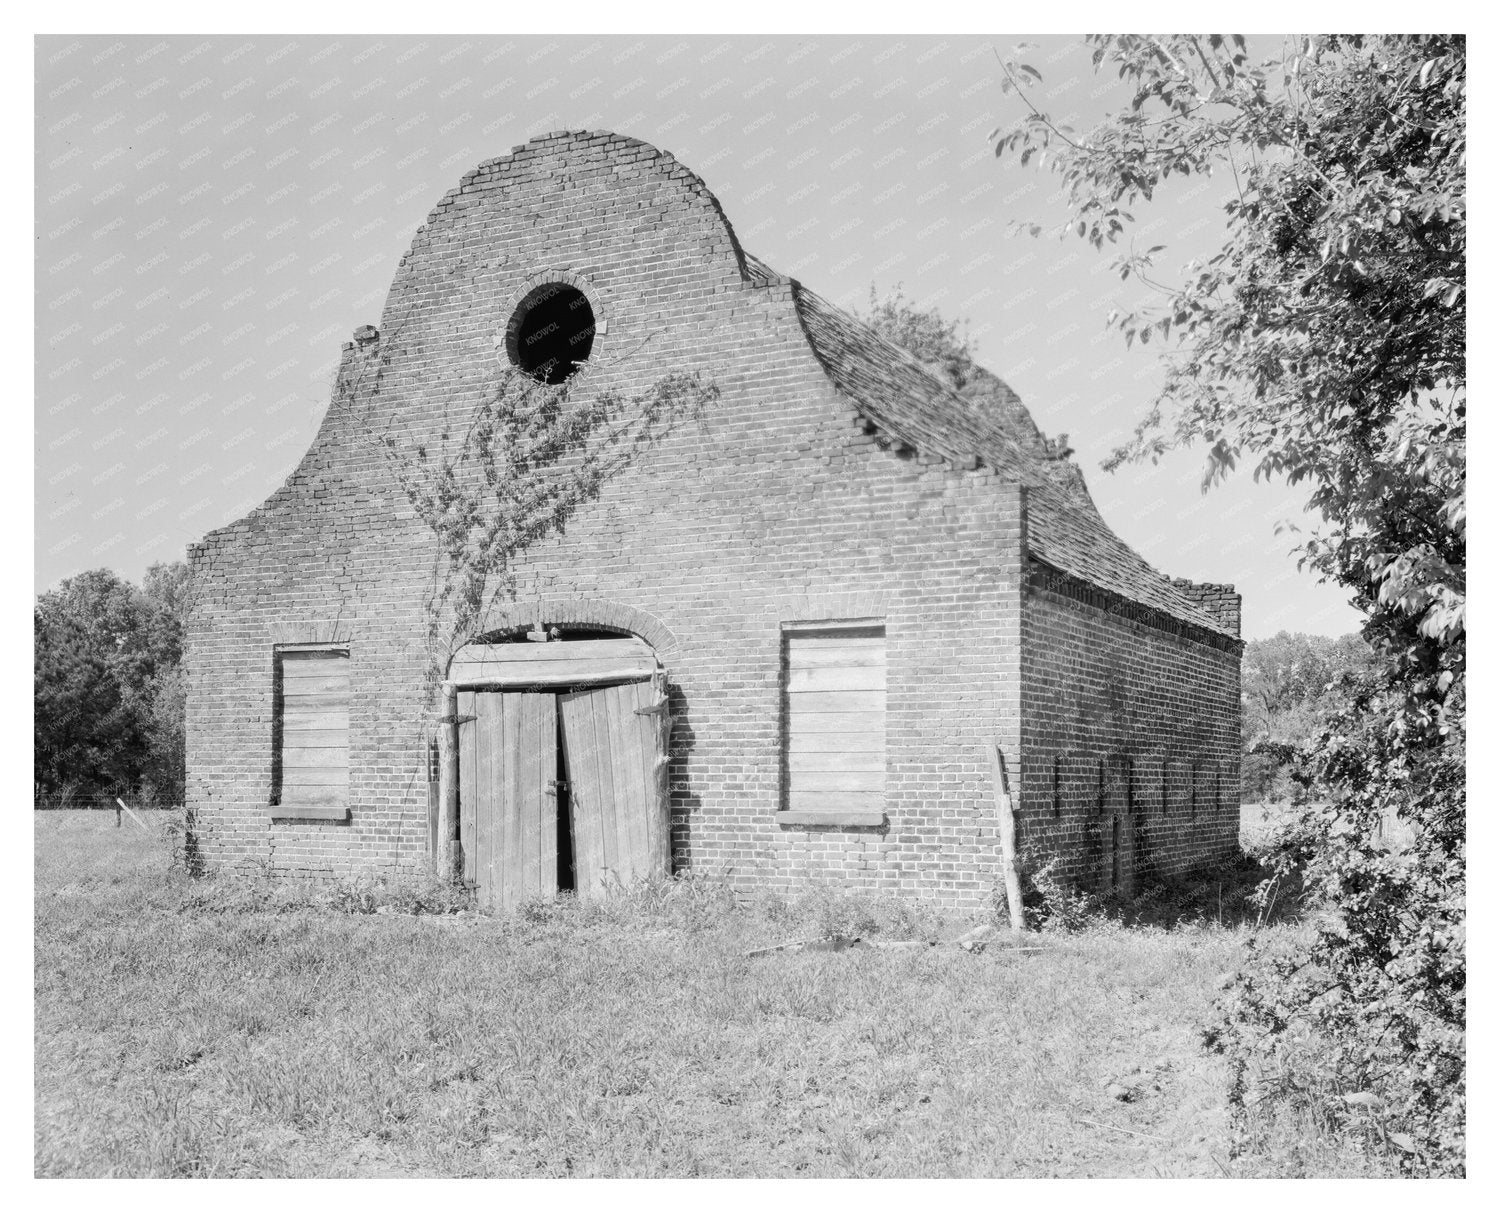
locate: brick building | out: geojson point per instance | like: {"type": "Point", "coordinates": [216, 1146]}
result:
{"type": "Point", "coordinates": [850, 579]}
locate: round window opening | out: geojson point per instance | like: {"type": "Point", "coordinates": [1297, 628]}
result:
{"type": "Point", "coordinates": [552, 332]}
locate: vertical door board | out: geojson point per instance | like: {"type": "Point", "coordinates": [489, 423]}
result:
{"type": "Point", "coordinates": [528, 742]}
{"type": "Point", "coordinates": [635, 792]}
{"type": "Point", "coordinates": [591, 796]}
{"type": "Point", "coordinates": [537, 805]}
{"type": "Point", "coordinates": [506, 790]}
{"type": "Point", "coordinates": [489, 757]}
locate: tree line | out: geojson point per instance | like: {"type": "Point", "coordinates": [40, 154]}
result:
{"type": "Point", "coordinates": [1291, 685]}
{"type": "Point", "coordinates": [109, 699]}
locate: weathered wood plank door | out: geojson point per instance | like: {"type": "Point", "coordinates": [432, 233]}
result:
{"type": "Point", "coordinates": [612, 743]}
{"type": "Point", "coordinates": [508, 795]}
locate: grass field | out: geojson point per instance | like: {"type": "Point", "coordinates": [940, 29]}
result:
{"type": "Point", "coordinates": [242, 1028]}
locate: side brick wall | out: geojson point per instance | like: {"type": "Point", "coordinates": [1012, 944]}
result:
{"type": "Point", "coordinates": [1130, 736]}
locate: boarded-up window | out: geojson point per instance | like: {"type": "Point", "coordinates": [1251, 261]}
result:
{"type": "Point", "coordinates": [834, 712]}
{"type": "Point", "coordinates": [311, 767]}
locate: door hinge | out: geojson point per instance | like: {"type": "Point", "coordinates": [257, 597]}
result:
{"type": "Point", "coordinates": [456, 719]}
{"type": "Point", "coordinates": [554, 784]}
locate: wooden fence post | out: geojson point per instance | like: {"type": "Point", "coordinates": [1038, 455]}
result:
{"type": "Point", "coordinates": [447, 852]}
{"type": "Point", "coordinates": [430, 758]}
{"type": "Point", "coordinates": [132, 813]}
{"type": "Point", "coordinates": [1005, 813]}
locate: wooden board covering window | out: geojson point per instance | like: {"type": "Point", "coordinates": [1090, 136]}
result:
{"type": "Point", "coordinates": [568, 663]}
{"type": "Point", "coordinates": [314, 766]}
{"type": "Point", "coordinates": [834, 704]}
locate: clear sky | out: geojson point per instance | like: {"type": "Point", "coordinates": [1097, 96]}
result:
{"type": "Point", "coordinates": [216, 215]}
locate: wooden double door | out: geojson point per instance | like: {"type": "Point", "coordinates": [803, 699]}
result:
{"type": "Point", "coordinates": [561, 790]}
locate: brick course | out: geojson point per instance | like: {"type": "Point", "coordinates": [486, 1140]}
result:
{"type": "Point", "coordinates": [782, 503]}
{"type": "Point", "coordinates": [1128, 717]}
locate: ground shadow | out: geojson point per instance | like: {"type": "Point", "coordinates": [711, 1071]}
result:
{"type": "Point", "coordinates": [1237, 892]}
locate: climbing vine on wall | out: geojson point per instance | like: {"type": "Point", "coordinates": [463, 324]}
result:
{"type": "Point", "coordinates": [513, 474]}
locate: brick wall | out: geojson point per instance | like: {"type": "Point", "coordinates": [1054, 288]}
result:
{"type": "Point", "coordinates": [1130, 735]}
{"type": "Point", "coordinates": [775, 506]}
{"type": "Point", "coordinates": [1219, 601]}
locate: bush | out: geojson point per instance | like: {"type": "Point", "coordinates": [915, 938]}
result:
{"type": "Point", "coordinates": [1051, 903]}
{"type": "Point", "coordinates": [404, 892]}
{"type": "Point", "coordinates": [419, 892]}
{"type": "Point", "coordinates": [1226, 894]}
{"type": "Point", "coordinates": [1364, 1028]}
{"type": "Point", "coordinates": [822, 911]}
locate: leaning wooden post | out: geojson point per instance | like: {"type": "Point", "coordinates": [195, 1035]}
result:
{"type": "Point", "coordinates": [133, 816]}
{"type": "Point", "coordinates": [430, 757]}
{"type": "Point", "coordinates": [1005, 812]}
{"type": "Point", "coordinates": [661, 706]}
{"type": "Point", "coordinates": [447, 852]}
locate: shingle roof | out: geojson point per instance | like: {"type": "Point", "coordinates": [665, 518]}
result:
{"type": "Point", "coordinates": [988, 422]}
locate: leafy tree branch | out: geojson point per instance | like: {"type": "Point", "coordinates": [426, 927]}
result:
{"type": "Point", "coordinates": [1324, 342]}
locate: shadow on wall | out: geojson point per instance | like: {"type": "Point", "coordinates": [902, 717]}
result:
{"type": "Point", "coordinates": [683, 801]}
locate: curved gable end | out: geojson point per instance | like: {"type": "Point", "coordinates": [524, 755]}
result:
{"type": "Point", "coordinates": [471, 235]}
{"type": "Point", "coordinates": [585, 175]}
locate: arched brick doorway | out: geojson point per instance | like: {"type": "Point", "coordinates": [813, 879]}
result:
{"type": "Point", "coordinates": [562, 750]}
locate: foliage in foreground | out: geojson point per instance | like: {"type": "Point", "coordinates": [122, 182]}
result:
{"type": "Point", "coordinates": [1325, 343]}
{"type": "Point", "coordinates": [1365, 1026]}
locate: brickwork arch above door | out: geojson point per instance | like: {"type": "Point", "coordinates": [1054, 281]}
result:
{"type": "Point", "coordinates": [601, 613]}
